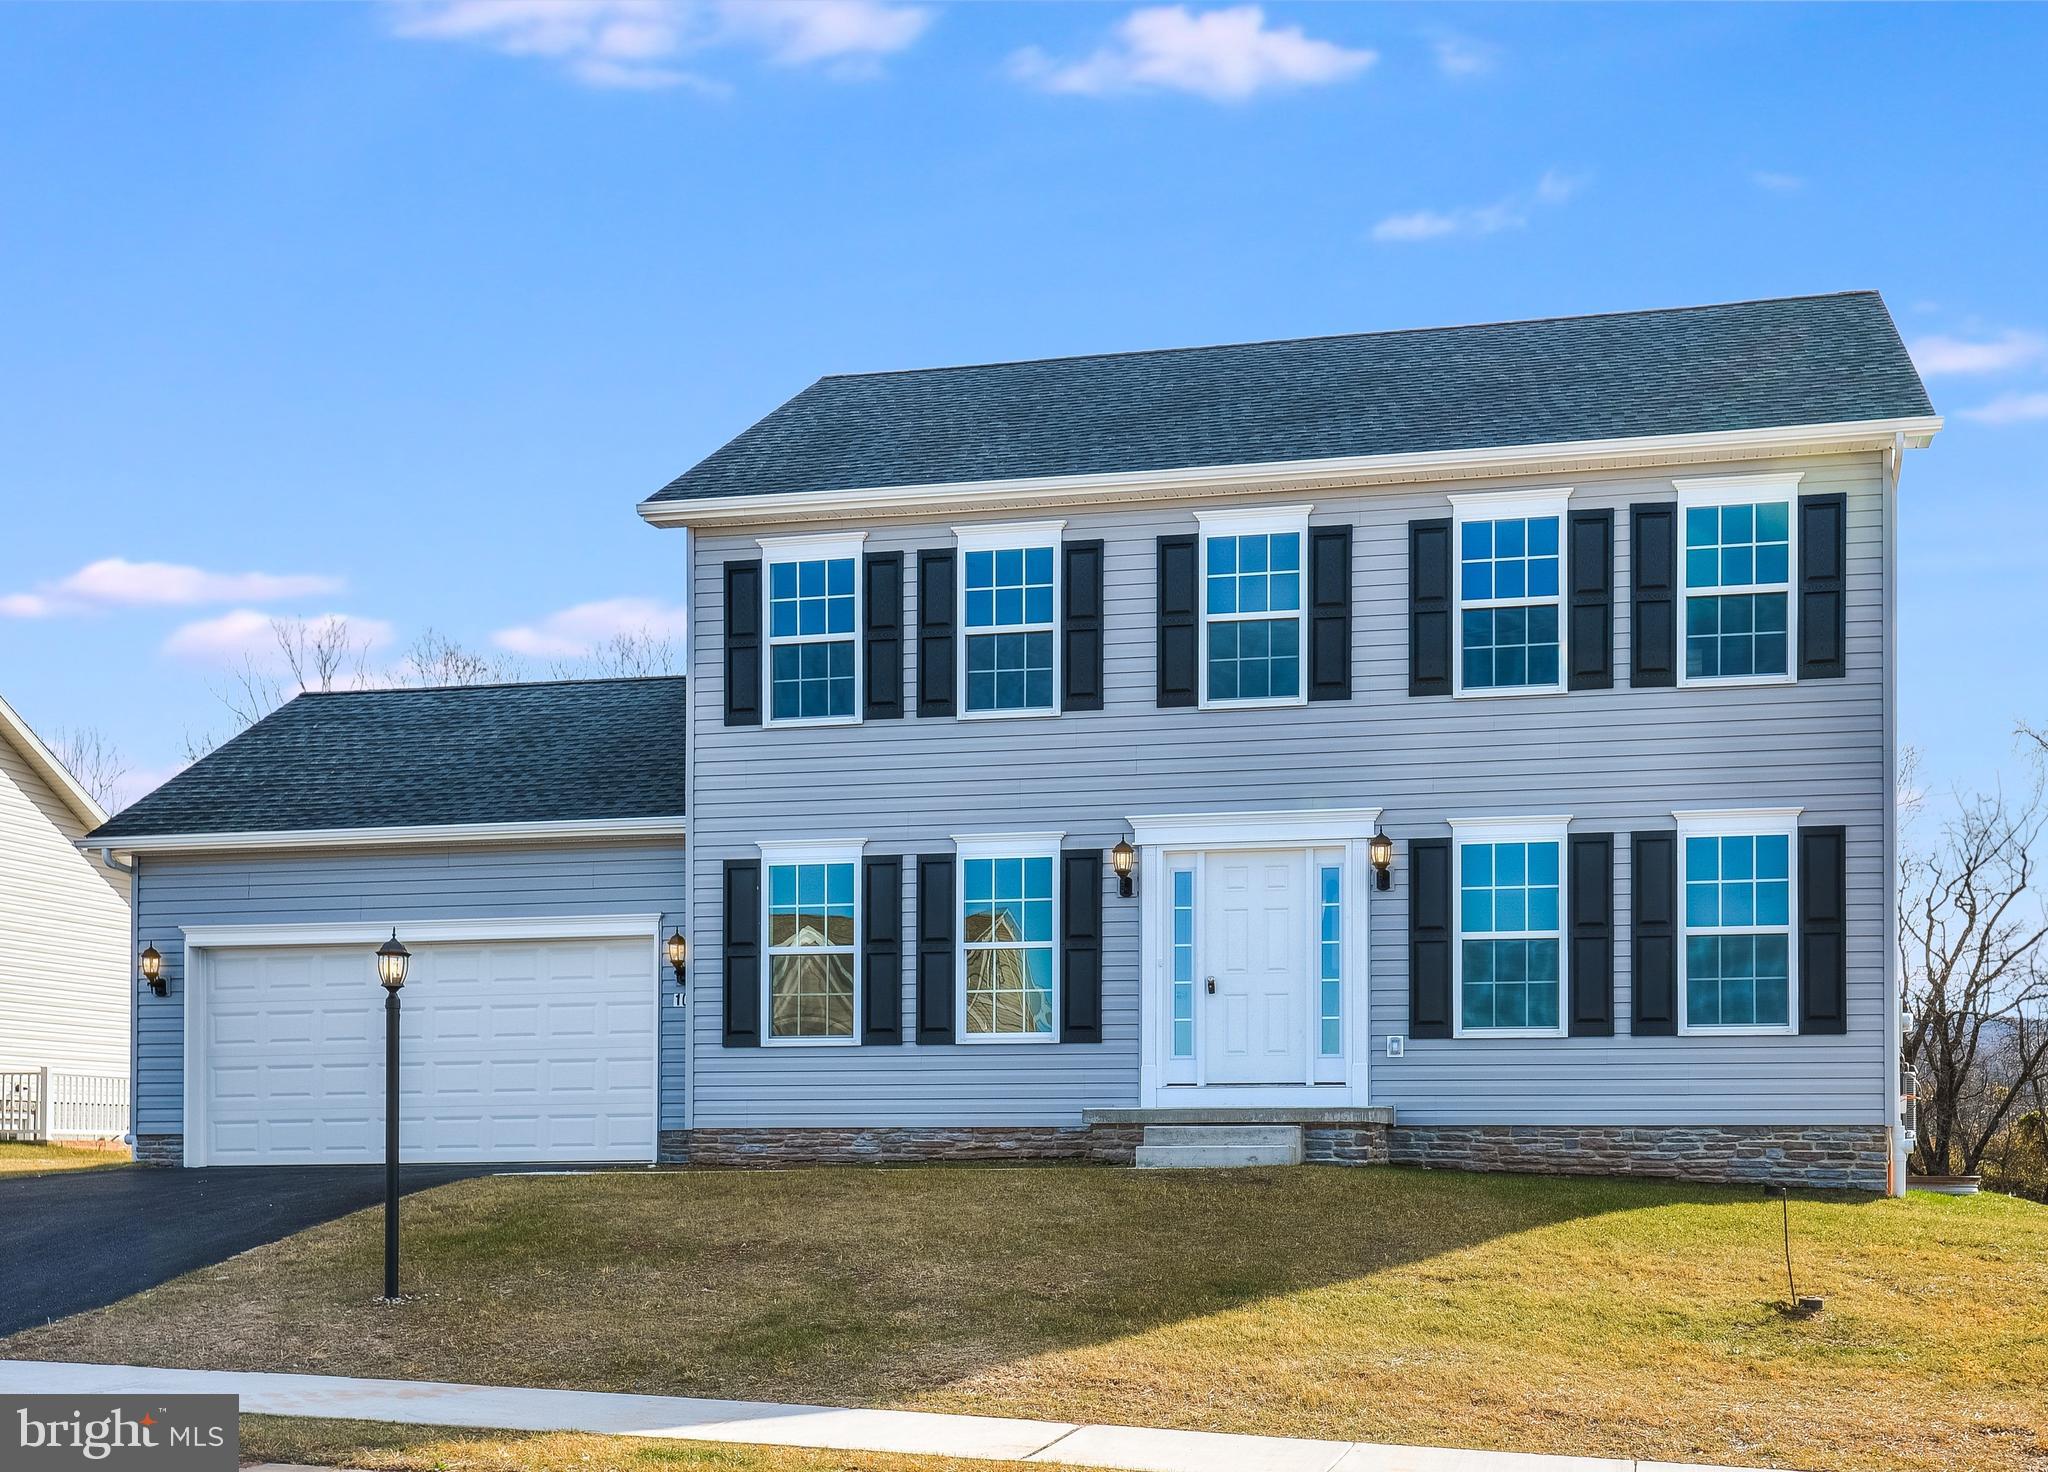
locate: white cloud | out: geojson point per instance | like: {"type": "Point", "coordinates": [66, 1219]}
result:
{"type": "Point", "coordinates": [2011, 409]}
{"type": "Point", "coordinates": [1462, 56]}
{"type": "Point", "coordinates": [2010, 349]}
{"type": "Point", "coordinates": [249, 633]}
{"type": "Point", "coordinates": [1775, 182]}
{"type": "Point", "coordinates": [640, 44]}
{"type": "Point", "coordinates": [1510, 212]}
{"type": "Point", "coordinates": [574, 632]}
{"type": "Point", "coordinates": [1223, 55]}
{"type": "Point", "coordinates": [115, 582]}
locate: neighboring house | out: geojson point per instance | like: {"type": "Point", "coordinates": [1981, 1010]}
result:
{"type": "Point", "coordinates": [64, 955]}
{"type": "Point", "coordinates": [1499, 720]}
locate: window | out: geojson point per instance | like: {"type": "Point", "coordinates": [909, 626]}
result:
{"type": "Point", "coordinates": [1252, 606]}
{"type": "Point", "coordinates": [1183, 963]}
{"type": "Point", "coordinates": [1007, 938]}
{"type": "Point", "coordinates": [1509, 963]}
{"type": "Point", "coordinates": [811, 947]}
{"type": "Point", "coordinates": [1737, 569]}
{"type": "Point", "coordinates": [1009, 598]}
{"type": "Point", "coordinates": [1330, 960]}
{"type": "Point", "coordinates": [813, 623]}
{"type": "Point", "coordinates": [1737, 965]}
{"type": "Point", "coordinates": [1510, 591]}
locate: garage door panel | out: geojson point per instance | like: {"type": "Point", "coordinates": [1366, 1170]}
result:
{"type": "Point", "coordinates": [541, 1050]}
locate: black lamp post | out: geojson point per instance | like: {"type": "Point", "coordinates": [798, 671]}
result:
{"type": "Point", "coordinates": [1380, 849]}
{"type": "Point", "coordinates": [391, 961]}
{"type": "Point", "coordinates": [1124, 859]}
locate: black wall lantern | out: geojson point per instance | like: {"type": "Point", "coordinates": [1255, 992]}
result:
{"type": "Point", "coordinates": [1124, 859]}
{"type": "Point", "coordinates": [1381, 851]}
{"type": "Point", "coordinates": [153, 971]}
{"type": "Point", "coordinates": [679, 954]}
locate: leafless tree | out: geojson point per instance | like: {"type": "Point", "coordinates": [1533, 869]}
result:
{"type": "Point", "coordinates": [639, 653]}
{"type": "Point", "coordinates": [309, 654]}
{"type": "Point", "coordinates": [1971, 927]}
{"type": "Point", "coordinates": [437, 659]}
{"type": "Point", "coordinates": [91, 757]}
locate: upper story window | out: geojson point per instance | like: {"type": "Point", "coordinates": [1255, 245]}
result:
{"type": "Point", "coordinates": [1510, 591]}
{"type": "Point", "coordinates": [1737, 572]}
{"type": "Point", "coordinates": [813, 628]}
{"type": "Point", "coordinates": [1509, 961]}
{"type": "Point", "coordinates": [1009, 597]}
{"type": "Point", "coordinates": [1252, 605]}
{"type": "Point", "coordinates": [812, 942]}
{"type": "Point", "coordinates": [1737, 967]}
{"type": "Point", "coordinates": [1007, 964]}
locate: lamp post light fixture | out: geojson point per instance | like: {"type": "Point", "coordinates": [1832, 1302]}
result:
{"type": "Point", "coordinates": [153, 971]}
{"type": "Point", "coordinates": [391, 963]}
{"type": "Point", "coordinates": [1124, 859]}
{"type": "Point", "coordinates": [1380, 849]}
{"type": "Point", "coordinates": [679, 954]}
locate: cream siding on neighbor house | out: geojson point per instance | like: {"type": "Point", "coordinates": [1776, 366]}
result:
{"type": "Point", "coordinates": [64, 973]}
{"type": "Point", "coordinates": [1615, 760]}
{"type": "Point", "coordinates": [389, 887]}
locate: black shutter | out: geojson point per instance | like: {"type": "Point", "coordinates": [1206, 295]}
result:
{"type": "Point", "coordinates": [1592, 935]}
{"type": "Point", "coordinates": [1589, 602]}
{"type": "Point", "coordinates": [1329, 613]}
{"type": "Point", "coordinates": [1653, 937]}
{"type": "Point", "coordinates": [742, 953]}
{"type": "Point", "coordinates": [1429, 614]}
{"type": "Point", "coordinates": [1081, 626]}
{"type": "Point", "coordinates": [935, 978]}
{"type": "Point", "coordinates": [1653, 594]}
{"type": "Point", "coordinates": [1429, 938]}
{"type": "Point", "coordinates": [881, 949]}
{"type": "Point", "coordinates": [1823, 930]}
{"type": "Point", "coordinates": [1823, 587]}
{"type": "Point", "coordinates": [936, 620]}
{"type": "Point", "coordinates": [1081, 945]}
{"type": "Point", "coordinates": [743, 643]}
{"type": "Point", "coordinates": [1180, 634]}
{"type": "Point", "coordinates": [882, 640]}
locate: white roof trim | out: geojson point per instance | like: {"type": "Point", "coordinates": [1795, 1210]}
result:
{"type": "Point", "coordinates": [879, 501]}
{"type": "Point", "coordinates": [52, 771]}
{"type": "Point", "coordinates": [552, 832]}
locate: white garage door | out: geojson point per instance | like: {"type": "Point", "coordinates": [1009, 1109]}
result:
{"type": "Point", "coordinates": [513, 1050]}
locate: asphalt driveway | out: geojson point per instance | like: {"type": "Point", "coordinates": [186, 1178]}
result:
{"type": "Point", "coordinates": [75, 1240]}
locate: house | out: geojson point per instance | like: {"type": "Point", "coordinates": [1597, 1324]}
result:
{"type": "Point", "coordinates": [64, 987]}
{"type": "Point", "coordinates": [1466, 747]}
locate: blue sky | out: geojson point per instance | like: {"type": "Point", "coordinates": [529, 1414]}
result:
{"type": "Point", "coordinates": [394, 310]}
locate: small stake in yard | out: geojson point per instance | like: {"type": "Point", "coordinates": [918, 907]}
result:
{"type": "Point", "coordinates": [1804, 1308]}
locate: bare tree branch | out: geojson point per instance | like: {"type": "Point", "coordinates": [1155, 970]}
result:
{"type": "Point", "coordinates": [89, 755]}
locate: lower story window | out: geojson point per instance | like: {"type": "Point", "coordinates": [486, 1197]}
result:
{"type": "Point", "coordinates": [1008, 937]}
{"type": "Point", "coordinates": [1509, 936]}
{"type": "Point", "coordinates": [1738, 931]}
{"type": "Point", "coordinates": [1183, 963]}
{"type": "Point", "coordinates": [810, 951]}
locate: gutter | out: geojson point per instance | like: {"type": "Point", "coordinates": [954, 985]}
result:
{"type": "Point", "coordinates": [392, 836]}
{"type": "Point", "coordinates": [872, 502]}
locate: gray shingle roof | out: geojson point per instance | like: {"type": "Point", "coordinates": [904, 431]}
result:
{"type": "Point", "coordinates": [557, 751]}
{"type": "Point", "coordinates": [1742, 365]}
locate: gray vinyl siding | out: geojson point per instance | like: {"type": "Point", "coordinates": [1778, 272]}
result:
{"type": "Point", "coordinates": [1616, 760]}
{"type": "Point", "coordinates": [387, 886]}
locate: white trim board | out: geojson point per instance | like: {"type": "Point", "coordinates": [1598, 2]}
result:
{"type": "Point", "coordinates": [1357, 470]}
{"type": "Point", "coordinates": [423, 932]}
{"type": "Point", "coordinates": [1295, 828]}
{"type": "Point", "coordinates": [545, 832]}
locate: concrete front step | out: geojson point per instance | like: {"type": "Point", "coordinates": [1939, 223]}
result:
{"type": "Point", "coordinates": [1218, 1147]}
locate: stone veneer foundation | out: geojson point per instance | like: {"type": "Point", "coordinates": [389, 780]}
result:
{"type": "Point", "coordinates": [1845, 1157]}
{"type": "Point", "coordinates": [159, 1149]}
{"type": "Point", "coordinates": [852, 1145]}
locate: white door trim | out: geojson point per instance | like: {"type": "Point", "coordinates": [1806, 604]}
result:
{"type": "Point", "coordinates": [1162, 840]}
{"type": "Point", "coordinates": [200, 939]}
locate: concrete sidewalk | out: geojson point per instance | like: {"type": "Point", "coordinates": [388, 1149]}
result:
{"type": "Point", "coordinates": [757, 1423]}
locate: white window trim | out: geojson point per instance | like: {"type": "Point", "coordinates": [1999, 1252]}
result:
{"type": "Point", "coordinates": [1494, 506]}
{"type": "Point", "coordinates": [1238, 522]}
{"type": "Point", "coordinates": [1008, 537]}
{"type": "Point", "coordinates": [1735, 490]}
{"type": "Point", "coordinates": [1742, 823]}
{"type": "Point", "coordinates": [1547, 829]}
{"type": "Point", "coordinates": [808, 851]}
{"type": "Point", "coordinates": [822, 546]}
{"type": "Point", "coordinates": [1038, 845]}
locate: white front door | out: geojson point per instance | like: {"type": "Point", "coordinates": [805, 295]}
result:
{"type": "Point", "coordinates": [1255, 953]}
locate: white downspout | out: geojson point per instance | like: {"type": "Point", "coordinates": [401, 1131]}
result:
{"type": "Point", "coordinates": [1894, 460]}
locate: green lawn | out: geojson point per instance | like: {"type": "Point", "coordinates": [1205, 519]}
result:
{"type": "Point", "coordinates": [36, 1159]}
{"type": "Point", "coordinates": [1525, 1313]}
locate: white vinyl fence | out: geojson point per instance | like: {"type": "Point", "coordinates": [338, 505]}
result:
{"type": "Point", "coordinates": [47, 1104]}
